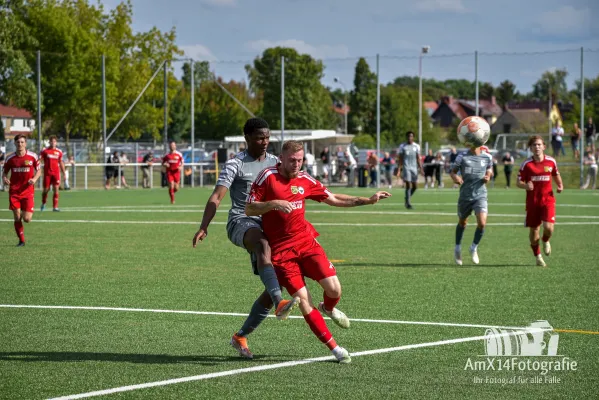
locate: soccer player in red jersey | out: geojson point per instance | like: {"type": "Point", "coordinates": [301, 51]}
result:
{"type": "Point", "coordinates": [53, 165]}
{"type": "Point", "coordinates": [24, 169]}
{"type": "Point", "coordinates": [535, 177]}
{"type": "Point", "coordinates": [173, 162]}
{"type": "Point", "coordinates": [279, 194]}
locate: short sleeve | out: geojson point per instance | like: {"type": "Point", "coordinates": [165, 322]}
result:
{"type": "Point", "coordinates": [258, 190]}
{"type": "Point", "coordinates": [417, 147]}
{"type": "Point", "coordinates": [457, 164]}
{"type": "Point", "coordinates": [489, 162]}
{"type": "Point", "coordinates": [228, 173]}
{"type": "Point", "coordinates": [554, 171]}
{"type": "Point", "coordinates": [523, 173]}
{"type": "Point", "coordinates": [318, 192]}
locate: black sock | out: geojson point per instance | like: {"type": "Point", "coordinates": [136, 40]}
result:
{"type": "Point", "coordinates": [269, 279]}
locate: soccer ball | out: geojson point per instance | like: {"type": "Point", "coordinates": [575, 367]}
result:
{"type": "Point", "coordinates": [474, 131]}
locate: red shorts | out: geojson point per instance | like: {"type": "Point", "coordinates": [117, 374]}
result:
{"type": "Point", "coordinates": [293, 264]}
{"type": "Point", "coordinates": [173, 176]}
{"type": "Point", "coordinates": [23, 203]}
{"type": "Point", "coordinates": [51, 180]}
{"type": "Point", "coordinates": [536, 215]}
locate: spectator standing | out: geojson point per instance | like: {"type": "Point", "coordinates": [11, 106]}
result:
{"type": "Point", "coordinates": [145, 169]}
{"type": "Point", "coordinates": [351, 168]}
{"type": "Point", "coordinates": [494, 172]}
{"type": "Point", "coordinates": [575, 137]}
{"type": "Point", "coordinates": [589, 134]}
{"type": "Point", "coordinates": [372, 161]}
{"type": "Point", "coordinates": [439, 164]}
{"type": "Point", "coordinates": [2, 158]}
{"type": "Point", "coordinates": [123, 160]}
{"type": "Point", "coordinates": [325, 158]}
{"type": "Point", "coordinates": [558, 133]}
{"type": "Point", "coordinates": [67, 171]}
{"type": "Point", "coordinates": [508, 167]}
{"type": "Point", "coordinates": [429, 169]}
{"type": "Point", "coordinates": [309, 160]}
{"type": "Point", "coordinates": [591, 162]}
{"type": "Point", "coordinates": [387, 162]}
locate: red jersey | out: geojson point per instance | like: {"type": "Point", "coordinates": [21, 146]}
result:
{"type": "Point", "coordinates": [174, 161]}
{"type": "Point", "coordinates": [286, 230]}
{"type": "Point", "coordinates": [51, 158]}
{"type": "Point", "coordinates": [22, 169]}
{"type": "Point", "coordinates": [540, 174]}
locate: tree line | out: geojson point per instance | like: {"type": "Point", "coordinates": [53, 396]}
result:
{"type": "Point", "coordinates": [74, 34]}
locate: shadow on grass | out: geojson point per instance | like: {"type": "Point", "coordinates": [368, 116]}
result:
{"type": "Point", "coordinates": [32, 356]}
{"type": "Point", "coordinates": [426, 265]}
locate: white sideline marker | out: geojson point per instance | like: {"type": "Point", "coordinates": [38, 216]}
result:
{"type": "Point", "coordinates": [230, 314]}
{"type": "Point", "coordinates": [271, 366]}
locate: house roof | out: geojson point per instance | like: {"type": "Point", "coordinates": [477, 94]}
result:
{"type": "Point", "coordinates": [431, 105]}
{"type": "Point", "coordinates": [8, 111]}
{"type": "Point", "coordinates": [341, 109]}
{"type": "Point", "coordinates": [530, 117]}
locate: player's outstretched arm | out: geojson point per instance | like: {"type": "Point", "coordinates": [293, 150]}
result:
{"type": "Point", "coordinates": [257, 208]}
{"type": "Point", "coordinates": [209, 212]}
{"type": "Point", "coordinates": [344, 200]}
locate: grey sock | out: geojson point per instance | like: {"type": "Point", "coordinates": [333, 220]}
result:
{"type": "Point", "coordinates": [258, 313]}
{"type": "Point", "coordinates": [459, 232]}
{"type": "Point", "coordinates": [478, 235]}
{"type": "Point", "coordinates": [269, 279]}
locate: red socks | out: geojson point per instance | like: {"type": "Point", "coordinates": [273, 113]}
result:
{"type": "Point", "coordinates": [55, 200]}
{"type": "Point", "coordinates": [330, 303]}
{"type": "Point", "coordinates": [535, 249]}
{"type": "Point", "coordinates": [19, 231]}
{"type": "Point", "coordinates": [320, 329]}
{"type": "Point", "coordinates": [171, 192]}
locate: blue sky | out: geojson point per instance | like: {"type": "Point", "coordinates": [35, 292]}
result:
{"type": "Point", "coordinates": [231, 33]}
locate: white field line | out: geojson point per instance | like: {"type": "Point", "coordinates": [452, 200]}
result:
{"type": "Point", "coordinates": [229, 314]}
{"type": "Point", "coordinates": [274, 366]}
{"type": "Point", "coordinates": [312, 204]}
{"type": "Point", "coordinates": [449, 224]}
{"type": "Point", "coordinates": [452, 214]}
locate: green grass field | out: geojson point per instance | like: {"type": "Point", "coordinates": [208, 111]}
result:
{"type": "Point", "coordinates": [132, 250]}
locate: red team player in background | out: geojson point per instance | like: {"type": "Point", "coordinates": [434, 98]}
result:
{"type": "Point", "coordinates": [173, 162]}
{"type": "Point", "coordinates": [535, 176]}
{"type": "Point", "coordinates": [24, 169]}
{"type": "Point", "coordinates": [53, 165]}
{"type": "Point", "coordinates": [279, 194]}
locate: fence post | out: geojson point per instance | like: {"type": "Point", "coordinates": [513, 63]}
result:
{"type": "Point", "coordinates": [152, 176]}
{"type": "Point", "coordinates": [201, 176]}
{"type": "Point", "coordinates": [85, 178]}
{"type": "Point", "coordinates": [118, 185]}
{"type": "Point", "coordinates": [136, 167]}
{"type": "Point", "coordinates": [75, 176]}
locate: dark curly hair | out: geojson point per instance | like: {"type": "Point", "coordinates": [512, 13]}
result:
{"type": "Point", "coordinates": [253, 124]}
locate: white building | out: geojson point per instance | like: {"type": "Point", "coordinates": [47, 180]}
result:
{"type": "Point", "coordinates": [16, 121]}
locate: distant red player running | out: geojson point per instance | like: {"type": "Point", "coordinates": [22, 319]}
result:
{"type": "Point", "coordinates": [24, 169]}
{"type": "Point", "coordinates": [535, 176]}
{"type": "Point", "coordinates": [173, 163]}
{"type": "Point", "coordinates": [53, 165]}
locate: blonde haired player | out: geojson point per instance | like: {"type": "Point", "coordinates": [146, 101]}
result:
{"type": "Point", "coordinates": [535, 176]}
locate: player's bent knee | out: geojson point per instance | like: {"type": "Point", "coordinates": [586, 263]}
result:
{"type": "Point", "coordinates": [27, 218]}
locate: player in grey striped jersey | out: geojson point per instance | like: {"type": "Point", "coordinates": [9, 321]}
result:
{"type": "Point", "coordinates": [237, 177]}
{"type": "Point", "coordinates": [476, 168]}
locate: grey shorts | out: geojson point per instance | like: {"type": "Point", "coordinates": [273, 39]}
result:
{"type": "Point", "coordinates": [465, 208]}
{"type": "Point", "coordinates": [237, 228]}
{"type": "Point", "coordinates": [409, 175]}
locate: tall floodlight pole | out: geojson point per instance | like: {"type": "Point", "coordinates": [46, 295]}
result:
{"type": "Point", "coordinates": [378, 121]}
{"type": "Point", "coordinates": [192, 91]}
{"type": "Point", "coordinates": [581, 114]}
{"type": "Point", "coordinates": [476, 82]}
{"type": "Point", "coordinates": [103, 108]}
{"type": "Point", "coordinates": [549, 109]}
{"type": "Point", "coordinates": [345, 108]}
{"type": "Point", "coordinates": [424, 50]}
{"type": "Point", "coordinates": [282, 101]}
{"type": "Point", "coordinates": [165, 101]}
{"type": "Point", "coordinates": [39, 101]}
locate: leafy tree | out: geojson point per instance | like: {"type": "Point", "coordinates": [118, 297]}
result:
{"type": "Point", "coordinates": [362, 101]}
{"type": "Point", "coordinates": [307, 102]}
{"type": "Point", "coordinates": [2, 137]}
{"type": "Point", "coordinates": [505, 92]}
{"type": "Point", "coordinates": [364, 141]}
{"type": "Point", "coordinates": [201, 72]}
{"type": "Point", "coordinates": [556, 80]}
{"type": "Point", "coordinates": [460, 88]}
{"type": "Point", "coordinates": [485, 90]}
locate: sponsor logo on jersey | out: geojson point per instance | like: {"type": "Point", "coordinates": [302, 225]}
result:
{"type": "Point", "coordinates": [297, 205]}
{"type": "Point", "coordinates": [27, 162]}
{"type": "Point", "coordinates": [21, 169]}
{"type": "Point", "coordinates": [540, 178]}
{"type": "Point", "coordinates": [297, 189]}
{"type": "Point", "coordinates": [548, 169]}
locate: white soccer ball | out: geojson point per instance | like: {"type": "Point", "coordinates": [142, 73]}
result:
{"type": "Point", "coordinates": [474, 131]}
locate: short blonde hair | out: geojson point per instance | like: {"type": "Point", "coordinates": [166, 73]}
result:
{"type": "Point", "coordinates": [292, 146]}
{"type": "Point", "coordinates": [534, 139]}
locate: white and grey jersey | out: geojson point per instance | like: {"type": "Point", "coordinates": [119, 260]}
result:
{"type": "Point", "coordinates": [473, 168]}
{"type": "Point", "coordinates": [238, 175]}
{"type": "Point", "coordinates": [410, 154]}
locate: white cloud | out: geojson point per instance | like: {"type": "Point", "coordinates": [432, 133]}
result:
{"type": "Point", "coordinates": [198, 52]}
{"type": "Point", "coordinates": [440, 5]}
{"type": "Point", "coordinates": [565, 22]}
{"type": "Point", "coordinates": [317, 51]}
{"type": "Point", "coordinates": [223, 3]}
